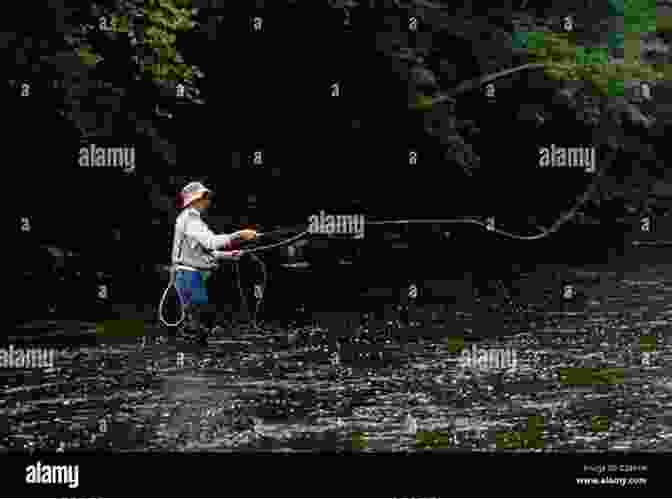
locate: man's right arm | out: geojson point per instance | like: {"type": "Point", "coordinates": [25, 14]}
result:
{"type": "Point", "coordinates": [198, 230]}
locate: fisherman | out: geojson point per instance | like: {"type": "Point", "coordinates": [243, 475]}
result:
{"type": "Point", "coordinates": [196, 253]}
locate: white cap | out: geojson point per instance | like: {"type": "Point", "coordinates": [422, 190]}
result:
{"type": "Point", "coordinates": [192, 192]}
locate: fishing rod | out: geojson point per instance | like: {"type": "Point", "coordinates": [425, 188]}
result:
{"type": "Point", "coordinates": [652, 243]}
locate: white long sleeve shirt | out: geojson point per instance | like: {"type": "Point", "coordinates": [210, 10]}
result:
{"type": "Point", "coordinates": [195, 246]}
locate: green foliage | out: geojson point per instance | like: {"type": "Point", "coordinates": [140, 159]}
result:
{"type": "Point", "coordinates": [639, 16]}
{"type": "Point", "coordinates": [663, 24]}
{"type": "Point", "coordinates": [151, 27]}
{"type": "Point", "coordinates": [120, 23]}
{"type": "Point", "coordinates": [147, 32]}
{"type": "Point", "coordinates": [164, 19]}
{"type": "Point", "coordinates": [87, 56]}
{"type": "Point", "coordinates": [566, 61]}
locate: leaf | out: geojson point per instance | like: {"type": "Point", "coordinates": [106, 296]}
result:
{"type": "Point", "coordinates": [422, 102]}
{"type": "Point", "coordinates": [88, 57]}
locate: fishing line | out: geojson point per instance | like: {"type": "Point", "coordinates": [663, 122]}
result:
{"type": "Point", "coordinates": [171, 284]}
{"type": "Point", "coordinates": [260, 291]}
{"type": "Point", "coordinates": [448, 96]}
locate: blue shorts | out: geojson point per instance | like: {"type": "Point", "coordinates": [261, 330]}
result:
{"type": "Point", "coordinates": [191, 286]}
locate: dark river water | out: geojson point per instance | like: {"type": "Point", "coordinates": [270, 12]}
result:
{"type": "Point", "coordinates": [590, 374]}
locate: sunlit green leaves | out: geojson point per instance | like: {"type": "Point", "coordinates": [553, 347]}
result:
{"type": "Point", "coordinates": [566, 61]}
{"type": "Point", "coordinates": [639, 16]}
{"type": "Point", "coordinates": [157, 37]}
{"type": "Point", "coordinates": [587, 56]}
{"type": "Point", "coordinates": [153, 24]}
{"type": "Point", "coordinates": [120, 23]}
{"type": "Point", "coordinates": [87, 56]}
{"type": "Point", "coordinates": [166, 14]}
{"type": "Point", "coordinates": [165, 18]}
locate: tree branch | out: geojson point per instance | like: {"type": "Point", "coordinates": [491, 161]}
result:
{"type": "Point", "coordinates": [477, 82]}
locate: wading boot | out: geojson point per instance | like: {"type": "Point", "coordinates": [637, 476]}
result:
{"type": "Point", "coordinates": [200, 329]}
{"type": "Point", "coordinates": [189, 328]}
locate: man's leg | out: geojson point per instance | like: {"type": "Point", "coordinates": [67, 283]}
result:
{"type": "Point", "coordinates": [216, 319]}
{"type": "Point", "coordinates": [201, 312]}
{"type": "Point", "coordinates": [185, 284]}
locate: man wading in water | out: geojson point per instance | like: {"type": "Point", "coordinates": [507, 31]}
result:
{"type": "Point", "coordinates": [196, 254]}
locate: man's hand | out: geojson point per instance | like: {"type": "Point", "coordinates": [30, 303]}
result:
{"type": "Point", "coordinates": [228, 255]}
{"type": "Point", "coordinates": [248, 234]}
